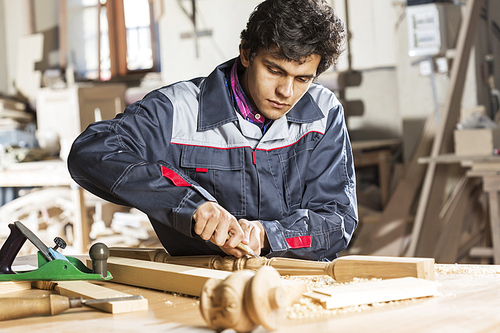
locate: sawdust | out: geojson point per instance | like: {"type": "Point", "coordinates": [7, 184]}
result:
{"type": "Point", "coordinates": [308, 308]}
{"type": "Point", "coordinates": [446, 269]}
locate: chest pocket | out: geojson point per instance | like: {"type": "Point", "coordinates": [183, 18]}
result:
{"type": "Point", "coordinates": [220, 172]}
{"type": "Point", "coordinates": [293, 166]}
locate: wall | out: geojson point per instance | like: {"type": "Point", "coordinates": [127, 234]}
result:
{"type": "Point", "coordinates": [225, 18]}
{"type": "Point", "coordinates": [372, 45]}
{"type": "Point", "coordinates": [46, 21]}
{"type": "Point", "coordinates": [3, 51]}
{"type": "Point", "coordinates": [17, 24]}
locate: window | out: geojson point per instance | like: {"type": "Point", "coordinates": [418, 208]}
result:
{"type": "Point", "coordinates": [131, 34]}
{"type": "Point", "coordinates": [111, 38]}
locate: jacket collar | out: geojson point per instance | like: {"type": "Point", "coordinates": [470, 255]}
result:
{"type": "Point", "coordinates": [216, 108]}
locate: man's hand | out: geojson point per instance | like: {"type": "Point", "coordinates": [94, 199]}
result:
{"type": "Point", "coordinates": [256, 235]}
{"type": "Point", "coordinates": [214, 223]}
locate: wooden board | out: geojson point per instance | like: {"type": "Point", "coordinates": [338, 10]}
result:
{"type": "Point", "coordinates": [373, 292]}
{"type": "Point", "coordinates": [161, 276]}
{"type": "Point", "coordinates": [88, 290]}
{"type": "Point", "coordinates": [12, 286]}
{"type": "Point", "coordinates": [349, 267]}
{"type": "Point", "coordinates": [149, 254]}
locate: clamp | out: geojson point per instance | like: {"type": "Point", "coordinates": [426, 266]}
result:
{"type": "Point", "coordinates": [52, 265]}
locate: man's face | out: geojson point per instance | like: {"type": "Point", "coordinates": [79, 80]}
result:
{"type": "Point", "coordinates": [274, 85]}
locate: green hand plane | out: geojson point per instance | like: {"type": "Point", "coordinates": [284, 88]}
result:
{"type": "Point", "coordinates": [52, 265]}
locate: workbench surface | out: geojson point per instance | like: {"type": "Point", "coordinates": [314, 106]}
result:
{"type": "Point", "coordinates": [469, 302]}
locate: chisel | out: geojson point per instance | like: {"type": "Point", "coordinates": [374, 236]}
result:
{"type": "Point", "coordinates": [244, 248]}
{"type": "Point", "coordinates": [12, 308]}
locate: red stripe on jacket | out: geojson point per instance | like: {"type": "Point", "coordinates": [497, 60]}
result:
{"type": "Point", "coordinates": [174, 177]}
{"type": "Point", "coordinates": [299, 242]}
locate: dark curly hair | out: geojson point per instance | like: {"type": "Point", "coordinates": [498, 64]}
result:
{"type": "Point", "coordinates": [299, 28]}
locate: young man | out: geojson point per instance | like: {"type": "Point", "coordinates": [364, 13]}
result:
{"type": "Point", "coordinates": [256, 150]}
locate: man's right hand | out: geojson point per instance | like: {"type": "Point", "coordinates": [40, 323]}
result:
{"type": "Point", "coordinates": [213, 222]}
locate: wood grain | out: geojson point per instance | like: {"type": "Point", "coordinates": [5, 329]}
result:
{"type": "Point", "coordinates": [88, 290]}
{"type": "Point", "coordinates": [373, 292]}
{"type": "Point", "coordinates": [160, 276]}
{"type": "Point", "coordinates": [12, 286]}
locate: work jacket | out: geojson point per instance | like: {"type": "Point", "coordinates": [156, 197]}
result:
{"type": "Point", "coordinates": [185, 144]}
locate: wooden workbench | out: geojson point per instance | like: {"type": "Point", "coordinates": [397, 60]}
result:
{"type": "Point", "coordinates": [488, 169]}
{"type": "Point", "coordinates": [470, 302]}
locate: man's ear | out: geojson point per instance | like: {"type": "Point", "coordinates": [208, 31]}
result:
{"type": "Point", "coordinates": [244, 55]}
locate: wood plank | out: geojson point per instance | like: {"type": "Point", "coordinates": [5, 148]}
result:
{"type": "Point", "coordinates": [373, 292]}
{"type": "Point", "coordinates": [422, 238]}
{"type": "Point", "coordinates": [349, 267]}
{"type": "Point", "coordinates": [12, 286]}
{"type": "Point", "coordinates": [161, 276]}
{"type": "Point", "coordinates": [149, 254]}
{"type": "Point", "coordinates": [88, 290]}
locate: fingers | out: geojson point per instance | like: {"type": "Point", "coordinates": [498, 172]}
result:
{"type": "Point", "coordinates": [213, 222]}
{"type": "Point", "coordinates": [251, 236]}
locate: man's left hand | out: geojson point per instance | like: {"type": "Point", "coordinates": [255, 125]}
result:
{"type": "Point", "coordinates": [256, 235]}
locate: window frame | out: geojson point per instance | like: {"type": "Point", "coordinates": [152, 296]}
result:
{"type": "Point", "coordinates": [117, 35]}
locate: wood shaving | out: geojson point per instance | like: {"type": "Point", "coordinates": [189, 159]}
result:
{"type": "Point", "coordinates": [308, 308]}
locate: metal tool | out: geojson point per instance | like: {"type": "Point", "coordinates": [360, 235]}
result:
{"type": "Point", "coordinates": [13, 308]}
{"type": "Point", "coordinates": [52, 265]}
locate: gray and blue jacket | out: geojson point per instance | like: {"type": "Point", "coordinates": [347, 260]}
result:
{"type": "Point", "coordinates": [185, 144]}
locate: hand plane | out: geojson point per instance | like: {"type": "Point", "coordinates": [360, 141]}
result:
{"type": "Point", "coordinates": [52, 265]}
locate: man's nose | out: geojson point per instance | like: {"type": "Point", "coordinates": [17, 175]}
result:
{"type": "Point", "coordinates": [285, 87]}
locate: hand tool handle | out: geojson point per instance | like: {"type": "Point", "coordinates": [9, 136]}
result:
{"type": "Point", "coordinates": [99, 253]}
{"type": "Point", "coordinates": [12, 308]}
{"type": "Point", "coordinates": [10, 249]}
{"type": "Point", "coordinates": [244, 248]}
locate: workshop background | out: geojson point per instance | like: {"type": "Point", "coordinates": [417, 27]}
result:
{"type": "Point", "coordinates": [419, 81]}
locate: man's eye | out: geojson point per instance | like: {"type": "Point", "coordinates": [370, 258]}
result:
{"type": "Point", "coordinates": [304, 79]}
{"type": "Point", "coordinates": [273, 71]}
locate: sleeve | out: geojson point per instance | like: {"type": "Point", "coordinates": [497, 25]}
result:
{"type": "Point", "coordinates": [323, 224]}
{"type": "Point", "coordinates": [123, 160]}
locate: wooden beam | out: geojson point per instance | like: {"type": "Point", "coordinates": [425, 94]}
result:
{"type": "Point", "coordinates": [373, 292]}
{"type": "Point", "coordinates": [161, 276]}
{"type": "Point", "coordinates": [349, 267]}
{"type": "Point", "coordinates": [150, 254]}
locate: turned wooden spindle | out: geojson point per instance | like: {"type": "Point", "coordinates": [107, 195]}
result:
{"type": "Point", "coordinates": [342, 269]}
{"type": "Point", "coordinates": [244, 301]}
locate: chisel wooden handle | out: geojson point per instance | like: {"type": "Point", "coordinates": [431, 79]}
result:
{"type": "Point", "coordinates": [12, 308]}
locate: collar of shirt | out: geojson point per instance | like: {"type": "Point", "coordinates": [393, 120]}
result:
{"type": "Point", "coordinates": [241, 102]}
